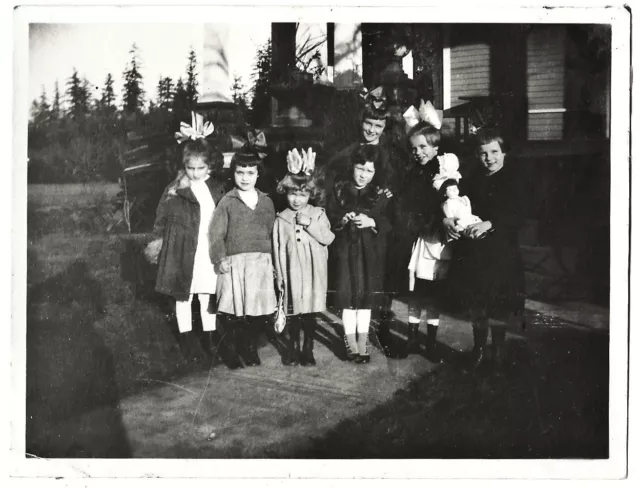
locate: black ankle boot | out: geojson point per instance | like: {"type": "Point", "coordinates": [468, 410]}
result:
{"type": "Point", "coordinates": [364, 356]}
{"type": "Point", "coordinates": [479, 346]}
{"type": "Point", "coordinates": [498, 334]}
{"type": "Point", "coordinates": [232, 338]}
{"type": "Point", "coordinates": [210, 341]}
{"type": "Point", "coordinates": [187, 350]}
{"type": "Point", "coordinates": [432, 344]}
{"type": "Point", "coordinates": [307, 358]}
{"type": "Point", "coordinates": [350, 354]}
{"type": "Point", "coordinates": [292, 355]}
{"type": "Point", "coordinates": [252, 336]}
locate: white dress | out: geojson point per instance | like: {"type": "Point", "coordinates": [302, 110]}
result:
{"type": "Point", "coordinates": [460, 209]}
{"type": "Point", "coordinates": [204, 278]}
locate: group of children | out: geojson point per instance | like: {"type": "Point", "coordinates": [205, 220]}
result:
{"type": "Point", "coordinates": [381, 228]}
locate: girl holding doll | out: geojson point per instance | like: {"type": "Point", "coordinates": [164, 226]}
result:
{"type": "Point", "coordinates": [182, 229]}
{"type": "Point", "coordinates": [486, 277]}
{"type": "Point", "coordinates": [419, 233]}
{"type": "Point", "coordinates": [357, 212]}
{"type": "Point", "coordinates": [301, 235]}
{"type": "Point", "coordinates": [240, 237]}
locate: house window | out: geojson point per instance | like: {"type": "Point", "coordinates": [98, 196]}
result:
{"type": "Point", "coordinates": [546, 53]}
{"type": "Point", "coordinates": [470, 72]}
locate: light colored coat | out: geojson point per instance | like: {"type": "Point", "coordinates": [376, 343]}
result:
{"type": "Point", "coordinates": [300, 259]}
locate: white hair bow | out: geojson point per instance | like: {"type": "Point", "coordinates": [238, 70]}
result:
{"type": "Point", "coordinates": [197, 130]}
{"type": "Point", "coordinates": [305, 163]}
{"type": "Point", "coordinates": [426, 113]}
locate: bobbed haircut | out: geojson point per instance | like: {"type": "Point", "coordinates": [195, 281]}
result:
{"type": "Point", "coordinates": [488, 135]}
{"type": "Point", "coordinates": [298, 183]}
{"type": "Point", "coordinates": [371, 112]}
{"type": "Point", "coordinates": [247, 159]}
{"type": "Point", "coordinates": [373, 153]}
{"type": "Point", "coordinates": [430, 133]}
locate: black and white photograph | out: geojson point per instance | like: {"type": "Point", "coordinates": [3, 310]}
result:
{"type": "Point", "coordinates": [395, 236]}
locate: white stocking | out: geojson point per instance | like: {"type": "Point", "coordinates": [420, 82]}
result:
{"type": "Point", "coordinates": [349, 323]}
{"type": "Point", "coordinates": [363, 320]}
{"type": "Point", "coordinates": [183, 314]}
{"type": "Point", "coordinates": [208, 319]}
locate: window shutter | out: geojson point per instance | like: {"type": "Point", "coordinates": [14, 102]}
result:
{"type": "Point", "coordinates": [546, 82]}
{"type": "Point", "coordinates": [470, 72]}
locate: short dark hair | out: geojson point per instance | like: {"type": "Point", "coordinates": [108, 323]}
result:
{"type": "Point", "coordinates": [297, 183]}
{"type": "Point", "coordinates": [489, 135]}
{"type": "Point", "coordinates": [373, 153]}
{"type": "Point", "coordinates": [247, 159]}
{"type": "Point", "coordinates": [371, 112]}
{"type": "Point", "coordinates": [430, 133]}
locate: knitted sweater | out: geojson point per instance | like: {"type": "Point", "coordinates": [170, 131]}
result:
{"type": "Point", "coordinates": [237, 229]}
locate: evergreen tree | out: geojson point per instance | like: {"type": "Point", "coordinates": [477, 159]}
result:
{"type": "Point", "coordinates": [78, 95]}
{"type": "Point", "coordinates": [165, 92]}
{"type": "Point", "coordinates": [180, 101]}
{"type": "Point", "coordinates": [261, 100]}
{"type": "Point", "coordinates": [133, 92]}
{"type": "Point", "coordinates": [43, 105]}
{"type": "Point", "coordinates": [87, 93]}
{"type": "Point", "coordinates": [239, 95]}
{"type": "Point", "coordinates": [55, 107]}
{"type": "Point", "coordinates": [191, 83]}
{"type": "Point", "coordinates": [108, 98]}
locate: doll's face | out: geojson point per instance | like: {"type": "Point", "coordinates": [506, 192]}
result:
{"type": "Point", "coordinates": [245, 177]}
{"type": "Point", "coordinates": [452, 191]}
{"type": "Point", "coordinates": [298, 200]}
{"type": "Point", "coordinates": [196, 168]}
{"type": "Point", "coordinates": [363, 174]}
{"type": "Point", "coordinates": [372, 129]}
{"type": "Point", "coordinates": [491, 156]}
{"type": "Point", "coordinates": [421, 150]}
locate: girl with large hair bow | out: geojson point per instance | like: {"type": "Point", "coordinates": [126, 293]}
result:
{"type": "Point", "coordinates": [181, 247]}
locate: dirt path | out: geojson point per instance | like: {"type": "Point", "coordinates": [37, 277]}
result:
{"type": "Point", "coordinates": [268, 411]}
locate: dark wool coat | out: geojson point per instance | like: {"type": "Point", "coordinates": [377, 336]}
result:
{"type": "Point", "coordinates": [177, 222]}
{"type": "Point", "coordinates": [358, 254]}
{"type": "Point", "coordinates": [488, 274]}
{"type": "Point", "coordinates": [416, 204]}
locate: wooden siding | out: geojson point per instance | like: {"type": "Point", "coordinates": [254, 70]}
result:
{"type": "Point", "coordinates": [470, 71]}
{"type": "Point", "coordinates": [546, 82]}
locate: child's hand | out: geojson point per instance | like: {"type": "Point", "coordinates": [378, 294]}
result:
{"type": "Point", "coordinates": [303, 220]}
{"type": "Point", "coordinates": [362, 221]}
{"type": "Point", "coordinates": [450, 228]}
{"type": "Point", "coordinates": [348, 218]}
{"type": "Point", "coordinates": [223, 266]}
{"type": "Point", "coordinates": [387, 193]}
{"type": "Point", "coordinates": [477, 230]}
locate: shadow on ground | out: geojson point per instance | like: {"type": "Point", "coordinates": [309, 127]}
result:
{"type": "Point", "coordinates": [550, 402]}
{"type": "Point", "coordinates": [72, 403]}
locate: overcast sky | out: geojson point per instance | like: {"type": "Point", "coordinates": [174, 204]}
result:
{"type": "Point", "coordinates": [98, 49]}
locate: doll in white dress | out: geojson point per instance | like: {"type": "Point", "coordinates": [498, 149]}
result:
{"type": "Point", "coordinates": [456, 207]}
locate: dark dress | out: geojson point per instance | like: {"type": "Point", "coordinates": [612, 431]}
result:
{"type": "Point", "coordinates": [415, 205]}
{"type": "Point", "coordinates": [359, 254]}
{"type": "Point", "coordinates": [487, 275]}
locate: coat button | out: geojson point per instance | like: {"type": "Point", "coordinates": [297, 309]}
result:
{"type": "Point", "coordinates": [297, 231]}
{"type": "Point", "coordinates": [298, 239]}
